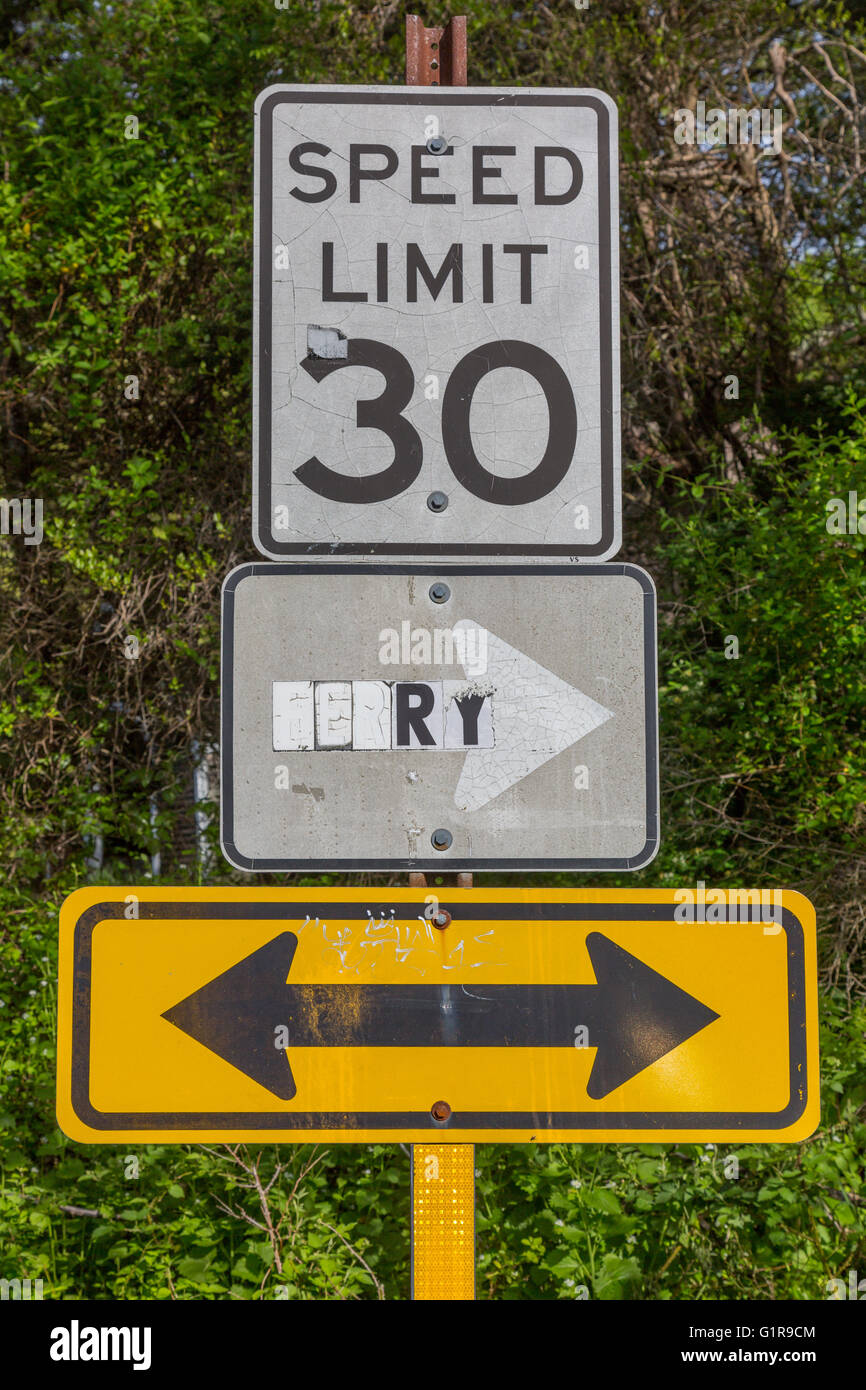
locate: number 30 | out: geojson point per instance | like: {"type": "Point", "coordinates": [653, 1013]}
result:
{"type": "Point", "coordinates": [385, 413]}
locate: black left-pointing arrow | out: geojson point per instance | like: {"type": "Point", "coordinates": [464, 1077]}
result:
{"type": "Point", "coordinates": [633, 1015]}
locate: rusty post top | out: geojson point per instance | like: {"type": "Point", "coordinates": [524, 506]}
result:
{"type": "Point", "coordinates": [436, 57]}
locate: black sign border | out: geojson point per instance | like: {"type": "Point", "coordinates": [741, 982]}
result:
{"type": "Point", "coordinates": [265, 541]}
{"type": "Point", "coordinates": [444, 862]}
{"type": "Point", "coordinates": [539, 1123]}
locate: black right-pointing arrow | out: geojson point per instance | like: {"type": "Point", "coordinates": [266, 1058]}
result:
{"type": "Point", "coordinates": [632, 1014]}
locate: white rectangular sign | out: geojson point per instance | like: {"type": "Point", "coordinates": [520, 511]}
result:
{"type": "Point", "coordinates": [387, 717]}
{"type": "Point", "coordinates": [436, 341]}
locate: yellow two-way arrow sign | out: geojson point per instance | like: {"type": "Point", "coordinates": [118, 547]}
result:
{"type": "Point", "coordinates": [392, 1014]}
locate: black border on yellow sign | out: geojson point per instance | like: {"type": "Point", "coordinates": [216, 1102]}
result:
{"type": "Point", "coordinates": [296, 1122]}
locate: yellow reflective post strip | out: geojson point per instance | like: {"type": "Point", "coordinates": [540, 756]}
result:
{"type": "Point", "coordinates": [326, 1014]}
{"type": "Point", "coordinates": [443, 1221]}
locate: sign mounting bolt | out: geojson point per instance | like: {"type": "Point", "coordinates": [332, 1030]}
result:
{"type": "Point", "coordinates": [441, 839]}
{"type": "Point", "coordinates": [437, 144]}
{"type": "Point", "coordinates": [441, 919]}
{"type": "Point", "coordinates": [439, 592]}
{"type": "Point", "coordinates": [440, 1110]}
{"type": "Point", "coordinates": [437, 501]}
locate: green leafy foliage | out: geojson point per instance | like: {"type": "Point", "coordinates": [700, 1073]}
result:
{"type": "Point", "coordinates": [125, 403]}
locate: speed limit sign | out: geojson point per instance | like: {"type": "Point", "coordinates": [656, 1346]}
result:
{"type": "Point", "coordinates": [436, 350]}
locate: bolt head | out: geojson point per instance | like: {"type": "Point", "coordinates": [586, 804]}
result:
{"type": "Point", "coordinates": [439, 592]}
{"type": "Point", "coordinates": [437, 144]}
{"type": "Point", "coordinates": [440, 1110]}
{"type": "Point", "coordinates": [437, 501]}
{"type": "Point", "coordinates": [441, 839]}
{"type": "Point", "coordinates": [441, 919]}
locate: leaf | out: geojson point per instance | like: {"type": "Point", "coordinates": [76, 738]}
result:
{"type": "Point", "coordinates": [195, 1267]}
{"type": "Point", "coordinates": [618, 1278]}
{"type": "Point", "coordinates": [602, 1199]}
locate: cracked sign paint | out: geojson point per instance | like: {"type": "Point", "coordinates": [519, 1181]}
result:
{"type": "Point", "coordinates": [384, 941]}
{"type": "Point", "coordinates": [537, 716]}
{"type": "Point", "coordinates": [436, 325]}
{"type": "Point", "coordinates": [361, 717]}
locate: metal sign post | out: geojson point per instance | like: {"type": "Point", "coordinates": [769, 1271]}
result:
{"type": "Point", "coordinates": [443, 1175]}
{"type": "Point", "coordinates": [436, 57]}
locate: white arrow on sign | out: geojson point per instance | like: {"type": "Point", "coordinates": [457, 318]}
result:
{"type": "Point", "coordinates": [538, 715]}
{"type": "Point", "coordinates": [512, 715]}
